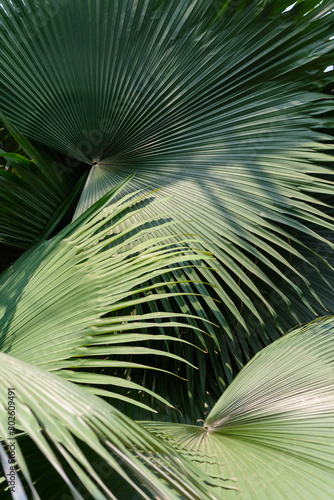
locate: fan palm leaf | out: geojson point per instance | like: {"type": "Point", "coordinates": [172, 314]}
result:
{"type": "Point", "coordinates": [65, 320]}
{"type": "Point", "coordinates": [65, 299]}
{"type": "Point", "coordinates": [272, 429]}
{"type": "Point", "coordinates": [220, 103]}
{"type": "Point", "coordinates": [59, 417]}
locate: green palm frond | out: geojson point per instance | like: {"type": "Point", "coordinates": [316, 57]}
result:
{"type": "Point", "coordinates": [65, 322]}
{"type": "Point", "coordinates": [60, 417]}
{"type": "Point", "coordinates": [67, 302]}
{"type": "Point", "coordinates": [221, 104]}
{"type": "Point", "coordinates": [273, 429]}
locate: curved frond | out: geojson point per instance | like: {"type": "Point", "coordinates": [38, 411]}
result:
{"type": "Point", "coordinates": [61, 417]}
{"type": "Point", "coordinates": [67, 303]}
{"type": "Point", "coordinates": [272, 430]}
{"type": "Point", "coordinates": [221, 104]}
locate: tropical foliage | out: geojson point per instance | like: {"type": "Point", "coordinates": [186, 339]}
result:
{"type": "Point", "coordinates": [124, 289]}
{"type": "Point", "coordinates": [55, 318]}
{"type": "Point", "coordinates": [272, 428]}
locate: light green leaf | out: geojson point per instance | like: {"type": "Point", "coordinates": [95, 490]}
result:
{"type": "Point", "coordinates": [218, 102]}
{"type": "Point", "coordinates": [60, 417]}
{"type": "Point", "coordinates": [65, 303]}
{"type": "Point", "coordinates": [221, 104]}
{"type": "Point", "coordinates": [273, 429]}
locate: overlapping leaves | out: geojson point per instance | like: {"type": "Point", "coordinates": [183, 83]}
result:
{"type": "Point", "coordinates": [272, 430]}
{"type": "Point", "coordinates": [65, 307]}
{"type": "Point", "coordinates": [218, 102]}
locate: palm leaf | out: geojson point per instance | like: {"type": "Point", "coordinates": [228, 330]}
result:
{"type": "Point", "coordinates": [65, 299]}
{"type": "Point", "coordinates": [221, 104]}
{"type": "Point", "coordinates": [272, 430]}
{"type": "Point", "coordinates": [66, 309]}
{"type": "Point", "coordinates": [60, 416]}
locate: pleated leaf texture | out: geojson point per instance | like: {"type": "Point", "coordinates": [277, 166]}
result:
{"type": "Point", "coordinates": [66, 321]}
{"type": "Point", "coordinates": [64, 300]}
{"type": "Point", "coordinates": [272, 431]}
{"type": "Point", "coordinates": [218, 102]}
{"type": "Point", "coordinates": [74, 434]}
